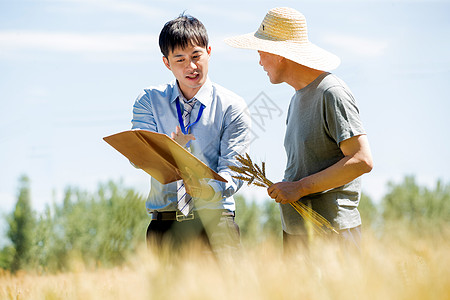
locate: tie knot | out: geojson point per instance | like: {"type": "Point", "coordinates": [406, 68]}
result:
{"type": "Point", "coordinates": [189, 105]}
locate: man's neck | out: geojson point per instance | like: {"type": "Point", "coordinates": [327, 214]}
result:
{"type": "Point", "coordinates": [298, 76]}
{"type": "Point", "coordinates": [188, 93]}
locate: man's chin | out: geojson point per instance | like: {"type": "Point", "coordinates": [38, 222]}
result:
{"type": "Point", "coordinates": [274, 81]}
{"type": "Point", "coordinates": [195, 85]}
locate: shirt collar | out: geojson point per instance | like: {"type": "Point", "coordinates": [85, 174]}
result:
{"type": "Point", "coordinates": [204, 95]}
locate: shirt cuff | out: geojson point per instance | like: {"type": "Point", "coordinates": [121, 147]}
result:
{"type": "Point", "coordinates": [218, 190]}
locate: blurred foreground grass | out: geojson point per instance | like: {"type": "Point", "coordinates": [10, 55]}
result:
{"type": "Point", "coordinates": [401, 265]}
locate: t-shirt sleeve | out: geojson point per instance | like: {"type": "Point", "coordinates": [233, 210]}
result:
{"type": "Point", "coordinates": [342, 119]}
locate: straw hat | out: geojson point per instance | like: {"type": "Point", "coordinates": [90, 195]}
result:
{"type": "Point", "coordinates": [284, 32]}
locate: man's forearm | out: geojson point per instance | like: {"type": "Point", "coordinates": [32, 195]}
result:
{"type": "Point", "coordinates": [343, 172]}
{"type": "Point", "coordinates": [357, 161]}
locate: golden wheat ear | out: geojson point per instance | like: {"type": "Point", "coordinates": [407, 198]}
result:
{"type": "Point", "coordinates": [252, 174]}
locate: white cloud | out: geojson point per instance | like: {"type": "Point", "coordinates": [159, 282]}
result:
{"type": "Point", "coordinates": [361, 46]}
{"type": "Point", "coordinates": [229, 15]}
{"type": "Point", "coordinates": [114, 5]}
{"type": "Point", "coordinates": [74, 42]}
{"type": "Point", "coordinates": [37, 95]}
{"type": "Point", "coordinates": [19, 44]}
{"type": "Point", "coordinates": [133, 8]}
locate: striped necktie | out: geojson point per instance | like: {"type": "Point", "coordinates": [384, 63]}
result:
{"type": "Point", "coordinates": [184, 200]}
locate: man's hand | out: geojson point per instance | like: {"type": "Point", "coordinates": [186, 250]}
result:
{"type": "Point", "coordinates": [181, 138]}
{"type": "Point", "coordinates": [200, 190]}
{"type": "Point", "coordinates": [285, 192]}
{"type": "Point", "coordinates": [197, 188]}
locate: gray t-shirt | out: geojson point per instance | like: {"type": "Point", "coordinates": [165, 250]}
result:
{"type": "Point", "coordinates": [320, 116]}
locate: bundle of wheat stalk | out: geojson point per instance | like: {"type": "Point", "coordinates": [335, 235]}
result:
{"type": "Point", "coordinates": [253, 174]}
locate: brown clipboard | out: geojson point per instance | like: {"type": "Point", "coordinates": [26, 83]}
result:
{"type": "Point", "coordinates": [160, 156]}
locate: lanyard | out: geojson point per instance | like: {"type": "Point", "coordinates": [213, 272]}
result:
{"type": "Point", "coordinates": [180, 118]}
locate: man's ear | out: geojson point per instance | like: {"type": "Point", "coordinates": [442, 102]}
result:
{"type": "Point", "coordinates": [166, 63]}
{"type": "Point", "coordinates": [209, 50]}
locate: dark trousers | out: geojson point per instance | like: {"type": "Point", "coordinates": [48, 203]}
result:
{"type": "Point", "coordinates": [349, 238]}
{"type": "Point", "coordinates": [209, 227]}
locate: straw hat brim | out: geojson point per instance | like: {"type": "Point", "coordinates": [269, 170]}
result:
{"type": "Point", "coordinates": [305, 53]}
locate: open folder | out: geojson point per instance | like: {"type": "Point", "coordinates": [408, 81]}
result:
{"type": "Point", "coordinates": [160, 156]}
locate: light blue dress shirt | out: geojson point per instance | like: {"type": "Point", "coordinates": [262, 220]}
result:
{"type": "Point", "coordinates": [222, 132]}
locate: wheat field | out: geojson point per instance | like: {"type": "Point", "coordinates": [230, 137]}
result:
{"type": "Point", "coordinates": [402, 266]}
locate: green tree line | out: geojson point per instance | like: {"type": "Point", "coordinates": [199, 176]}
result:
{"type": "Point", "coordinates": [103, 227]}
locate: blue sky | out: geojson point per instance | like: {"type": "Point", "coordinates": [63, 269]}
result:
{"type": "Point", "coordinates": [71, 70]}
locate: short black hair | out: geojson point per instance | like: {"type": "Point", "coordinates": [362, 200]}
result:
{"type": "Point", "coordinates": [182, 32]}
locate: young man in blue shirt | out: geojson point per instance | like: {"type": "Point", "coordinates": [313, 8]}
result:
{"type": "Point", "coordinates": [212, 122]}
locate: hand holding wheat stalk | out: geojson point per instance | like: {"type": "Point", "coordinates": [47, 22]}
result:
{"type": "Point", "coordinates": [253, 174]}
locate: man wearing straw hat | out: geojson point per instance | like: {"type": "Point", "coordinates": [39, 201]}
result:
{"type": "Point", "coordinates": [326, 145]}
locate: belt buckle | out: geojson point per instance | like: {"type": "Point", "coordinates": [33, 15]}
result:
{"type": "Point", "coordinates": [180, 217]}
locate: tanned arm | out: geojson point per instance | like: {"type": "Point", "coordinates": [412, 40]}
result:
{"type": "Point", "coordinates": [357, 160]}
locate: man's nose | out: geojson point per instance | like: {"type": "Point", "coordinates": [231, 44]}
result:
{"type": "Point", "coordinates": [192, 65]}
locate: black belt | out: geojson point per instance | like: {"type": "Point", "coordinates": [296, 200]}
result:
{"type": "Point", "coordinates": [176, 215]}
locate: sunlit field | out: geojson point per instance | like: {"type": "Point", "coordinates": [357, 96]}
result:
{"type": "Point", "coordinates": [401, 266]}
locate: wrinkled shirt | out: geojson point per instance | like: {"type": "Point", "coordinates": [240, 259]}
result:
{"type": "Point", "coordinates": [222, 132]}
{"type": "Point", "coordinates": [321, 116]}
